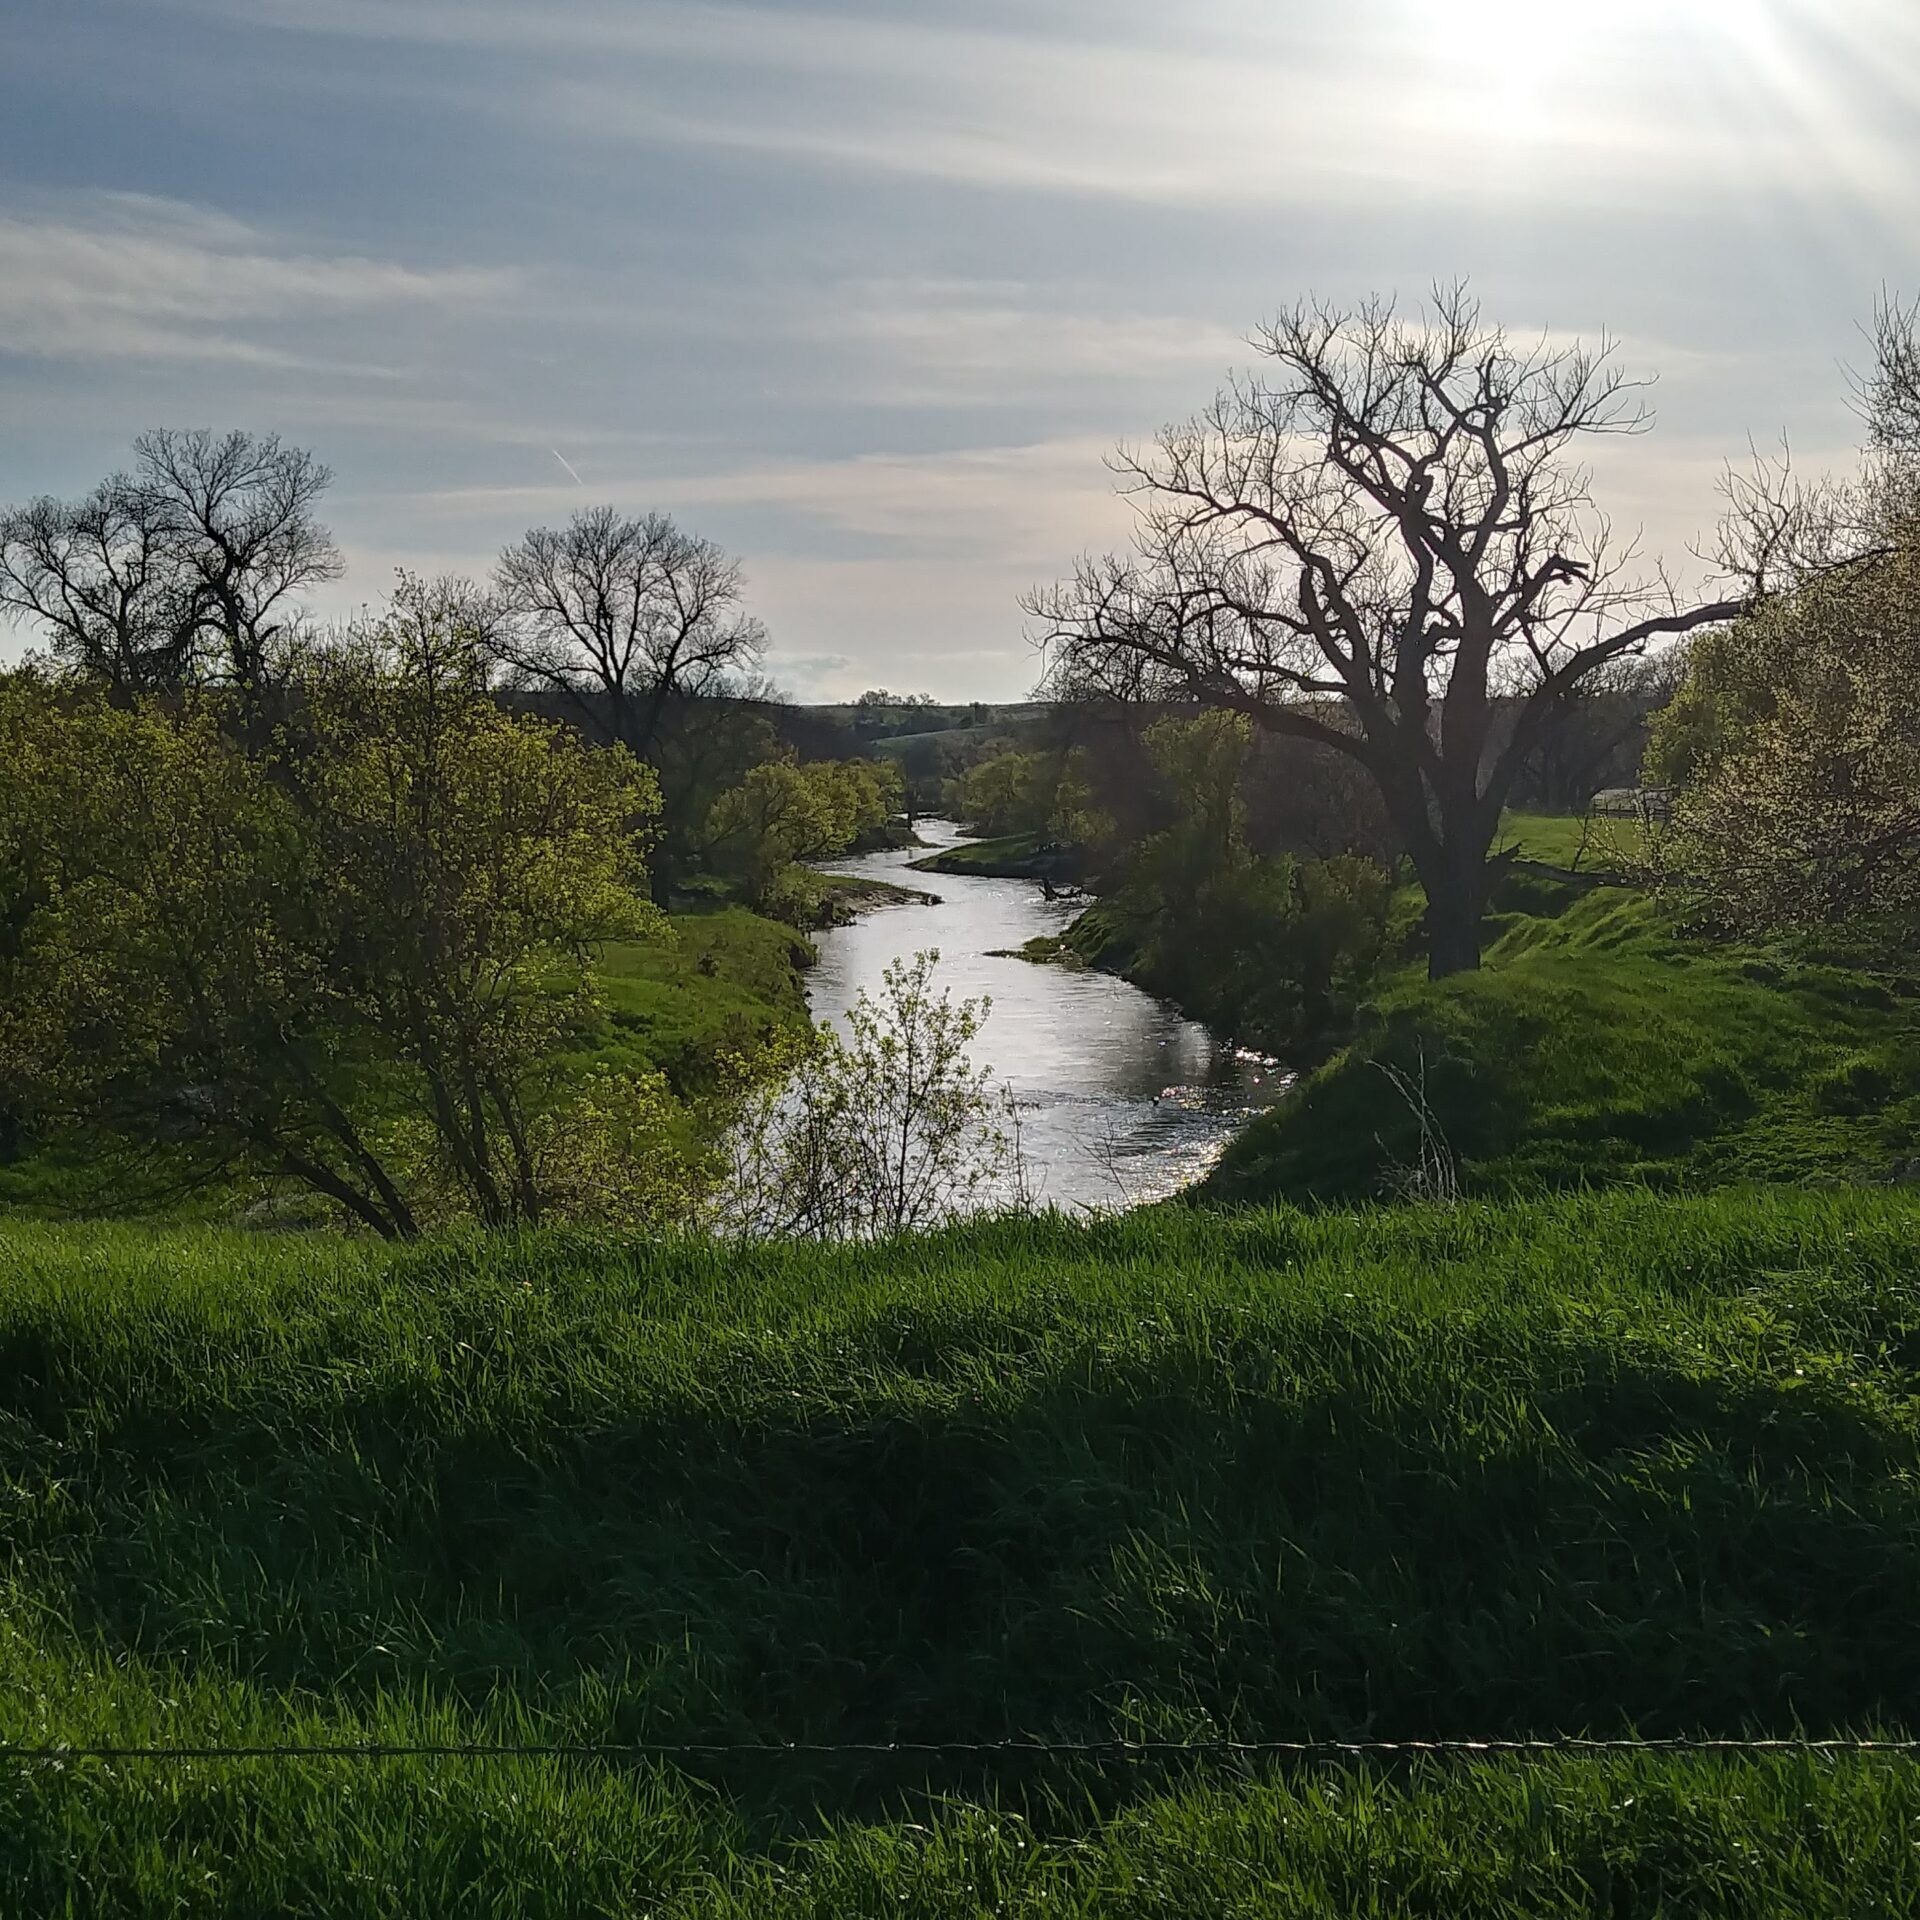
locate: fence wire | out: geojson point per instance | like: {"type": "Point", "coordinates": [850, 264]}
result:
{"type": "Point", "coordinates": [1115, 1749]}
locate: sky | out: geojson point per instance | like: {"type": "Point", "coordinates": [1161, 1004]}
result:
{"type": "Point", "coordinates": [866, 290]}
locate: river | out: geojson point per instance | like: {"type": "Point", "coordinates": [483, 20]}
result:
{"type": "Point", "coordinates": [1121, 1098]}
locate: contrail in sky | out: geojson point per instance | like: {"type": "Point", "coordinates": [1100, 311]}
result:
{"type": "Point", "coordinates": [568, 464]}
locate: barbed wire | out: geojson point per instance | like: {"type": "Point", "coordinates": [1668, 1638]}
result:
{"type": "Point", "coordinates": [1121, 1749]}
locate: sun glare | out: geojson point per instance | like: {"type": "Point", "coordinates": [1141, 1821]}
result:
{"type": "Point", "coordinates": [1566, 29]}
{"type": "Point", "coordinates": [1524, 58]}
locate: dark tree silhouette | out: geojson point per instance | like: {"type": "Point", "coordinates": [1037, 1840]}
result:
{"type": "Point", "coordinates": [185, 568]}
{"type": "Point", "coordinates": [1382, 541]}
{"type": "Point", "coordinates": [235, 513]}
{"type": "Point", "coordinates": [100, 579]}
{"type": "Point", "coordinates": [622, 618]}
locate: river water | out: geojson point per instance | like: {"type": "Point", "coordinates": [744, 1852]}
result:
{"type": "Point", "coordinates": [1121, 1099]}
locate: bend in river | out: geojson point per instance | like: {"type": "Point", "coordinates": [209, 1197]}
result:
{"type": "Point", "coordinates": [1121, 1098]}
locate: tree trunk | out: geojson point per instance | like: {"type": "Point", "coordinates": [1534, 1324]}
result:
{"type": "Point", "coordinates": [1456, 902]}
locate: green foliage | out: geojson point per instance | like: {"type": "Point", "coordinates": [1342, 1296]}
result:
{"type": "Point", "coordinates": [1797, 732]}
{"type": "Point", "coordinates": [347, 955]}
{"type": "Point", "coordinates": [1599, 1044]}
{"type": "Point", "coordinates": [886, 1130]}
{"type": "Point", "coordinates": [786, 812]}
{"type": "Point", "coordinates": [702, 750]}
{"type": "Point", "coordinates": [1006, 793]}
{"type": "Point", "coordinates": [1718, 704]}
{"type": "Point", "coordinates": [1592, 1465]}
{"type": "Point", "coordinates": [1048, 797]}
{"type": "Point", "coordinates": [1270, 948]}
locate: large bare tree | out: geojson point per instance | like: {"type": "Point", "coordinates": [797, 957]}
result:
{"type": "Point", "coordinates": [621, 618]}
{"type": "Point", "coordinates": [188, 567]}
{"type": "Point", "coordinates": [1380, 540]}
{"type": "Point", "coordinates": [236, 512]}
{"type": "Point", "coordinates": [100, 580]}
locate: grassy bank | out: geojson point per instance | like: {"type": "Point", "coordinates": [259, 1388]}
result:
{"type": "Point", "coordinates": [1014, 856]}
{"type": "Point", "coordinates": [845, 897]}
{"type": "Point", "coordinates": [726, 981]}
{"type": "Point", "coordinates": [1590, 1465]}
{"type": "Point", "coordinates": [1600, 1044]}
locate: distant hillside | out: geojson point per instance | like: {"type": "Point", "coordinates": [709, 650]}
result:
{"type": "Point", "coordinates": [910, 719]}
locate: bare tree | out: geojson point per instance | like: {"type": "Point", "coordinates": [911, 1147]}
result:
{"type": "Point", "coordinates": [236, 515]}
{"type": "Point", "coordinates": [100, 578]}
{"type": "Point", "coordinates": [621, 617]}
{"type": "Point", "coordinates": [186, 568]}
{"type": "Point", "coordinates": [1890, 395]}
{"type": "Point", "coordinates": [1378, 543]}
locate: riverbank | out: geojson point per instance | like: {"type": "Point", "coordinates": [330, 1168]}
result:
{"type": "Point", "coordinates": [1598, 1043]}
{"type": "Point", "coordinates": [1017, 856]}
{"type": "Point", "coordinates": [1602, 1044]}
{"type": "Point", "coordinates": [1610, 1465]}
{"type": "Point", "coordinates": [845, 896]}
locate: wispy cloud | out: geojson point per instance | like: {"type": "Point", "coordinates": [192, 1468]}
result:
{"type": "Point", "coordinates": [1229, 104]}
{"type": "Point", "coordinates": [129, 277]}
{"type": "Point", "coordinates": [925, 341]}
{"type": "Point", "coordinates": [1021, 505]}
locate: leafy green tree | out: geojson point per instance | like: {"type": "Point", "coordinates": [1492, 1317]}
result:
{"type": "Point", "coordinates": [1005, 793]}
{"type": "Point", "coordinates": [347, 958]}
{"type": "Point", "coordinates": [703, 749]}
{"type": "Point", "coordinates": [1077, 818]}
{"type": "Point", "coordinates": [1798, 735]}
{"type": "Point", "coordinates": [789, 811]}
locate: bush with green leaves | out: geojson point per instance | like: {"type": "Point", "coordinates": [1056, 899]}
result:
{"type": "Point", "coordinates": [887, 1129]}
{"type": "Point", "coordinates": [348, 956]}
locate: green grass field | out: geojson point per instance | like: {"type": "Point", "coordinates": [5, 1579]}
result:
{"type": "Point", "coordinates": [1590, 1465]}
{"type": "Point", "coordinates": [725, 982]}
{"type": "Point", "coordinates": [1561, 840]}
{"type": "Point", "coordinates": [1599, 1044]}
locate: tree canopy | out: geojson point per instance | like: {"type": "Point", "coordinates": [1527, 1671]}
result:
{"type": "Point", "coordinates": [349, 955]}
{"type": "Point", "coordinates": [1372, 542]}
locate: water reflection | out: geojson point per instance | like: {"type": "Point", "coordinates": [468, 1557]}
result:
{"type": "Point", "coordinates": [1121, 1099]}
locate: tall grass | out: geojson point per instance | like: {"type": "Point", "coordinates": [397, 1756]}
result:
{"type": "Point", "coordinates": [1597, 1045]}
{"type": "Point", "coordinates": [1703, 1838]}
{"type": "Point", "coordinates": [1593, 1465]}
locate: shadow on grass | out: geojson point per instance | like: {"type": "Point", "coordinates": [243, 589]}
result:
{"type": "Point", "coordinates": [1625, 1549]}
